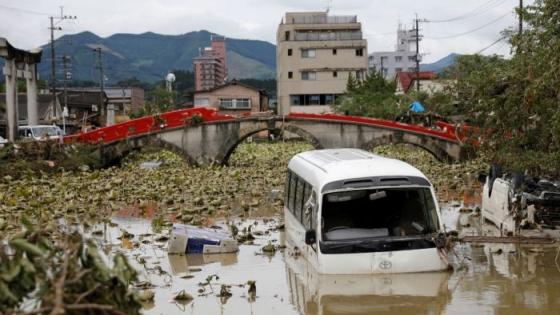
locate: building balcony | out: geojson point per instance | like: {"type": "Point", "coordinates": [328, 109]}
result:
{"type": "Point", "coordinates": [327, 36]}
{"type": "Point", "coordinates": [322, 19]}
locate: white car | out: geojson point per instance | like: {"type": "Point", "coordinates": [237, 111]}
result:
{"type": "Point", "coordinates": [2, 142]}
{"type": "Point", "coordinates": [41, 132]}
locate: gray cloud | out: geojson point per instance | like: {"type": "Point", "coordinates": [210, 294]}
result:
{"type": "Point", "coordinates": [258, 19]}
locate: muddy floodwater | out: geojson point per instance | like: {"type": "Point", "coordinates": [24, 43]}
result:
{"type": "Point", "coordinates": [128, 210]}
{"type": "Point", "coordinates": [489, 278]}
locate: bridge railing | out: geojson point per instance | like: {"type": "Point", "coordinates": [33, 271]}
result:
{"type": "Point", "coordinates": [443, 130]}
{"type": "Point", "coordinates": [147, 125]}
{"type": "Point", "coordinates": [184, 117]}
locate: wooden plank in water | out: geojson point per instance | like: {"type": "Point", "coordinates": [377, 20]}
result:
{"type": "Point", "coordinates": [508, 239]}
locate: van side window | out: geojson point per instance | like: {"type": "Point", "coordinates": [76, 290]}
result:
{"type": "Point", "coordinates": [287, 188]}
{"type": "Point", "coordinates": [299, 199]}
{"type": "Point", "coordinates": [292, 193]}
{"type": "Point", "coordinates": [306, 214]}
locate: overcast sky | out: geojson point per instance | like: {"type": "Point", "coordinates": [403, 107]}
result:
{"type": "Point", "coordinates": [25, 22]}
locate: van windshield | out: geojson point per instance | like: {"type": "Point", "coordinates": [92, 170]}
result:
{"type": "Point", "coordinates": [50, 131]}
{"type": "Point", "coordinates": [378, 214]}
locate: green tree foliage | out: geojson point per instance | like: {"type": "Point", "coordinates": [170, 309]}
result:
{"type": "Point", "coordinates": [159, 101]}
{"type": "Point", "coordinates": [516, 101]}
{"type": "Point", "coordinates": [371, 97]}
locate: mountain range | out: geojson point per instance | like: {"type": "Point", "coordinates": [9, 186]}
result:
{"type": "Point", "coordinates": [441, 64]}
{"type": "Point", "coordinates": [150, 56]}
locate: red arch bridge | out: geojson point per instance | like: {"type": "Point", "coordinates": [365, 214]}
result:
{"type": "Point", "coordinates": [205, 136]}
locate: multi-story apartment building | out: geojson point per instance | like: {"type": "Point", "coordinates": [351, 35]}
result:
{"type": "Point", "coordinates": [403, 59]}
{"type": "Point", "coordinates": [315, 54]}
{"type": "Point", "coordinates": [210, 67]}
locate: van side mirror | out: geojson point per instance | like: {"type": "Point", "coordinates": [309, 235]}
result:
{"type": "Point", "coordinates": [310, 237]}
{"type": "Point", "coordinates": [482, 178]}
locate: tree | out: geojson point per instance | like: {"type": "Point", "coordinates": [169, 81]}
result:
{"type": "Point", "coordinates": [516, 101]}
{"type": "Point", "coordinates": [371, 97]}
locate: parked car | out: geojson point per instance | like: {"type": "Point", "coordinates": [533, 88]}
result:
{"type": "Point", "coordinates": [2, 142]}
{"type": "Point", "coordinates": [41, 132]}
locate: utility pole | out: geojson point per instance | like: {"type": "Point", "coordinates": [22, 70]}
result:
{"type": "Point", "coordinates": [53, 28]}
{"type": "Point", "coordinates": [417, 37]}
{"type": "Point", "coordinates": [98, 52]}
{"type": "Point", "coordinates": [67, 76]}
{"type": "Point", "coordinates": [520, 18]}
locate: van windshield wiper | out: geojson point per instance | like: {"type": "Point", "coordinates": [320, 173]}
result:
{"type": "Point", "coordinates": [380, 244]}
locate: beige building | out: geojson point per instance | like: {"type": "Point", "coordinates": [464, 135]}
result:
{"type": "Point", "coordinates": [233, 98]}
{"type": "Point", "coordinates": [315, 54]}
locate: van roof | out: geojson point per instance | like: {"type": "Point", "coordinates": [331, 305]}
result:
{"type": "Point", "coordinates": [330, 165]}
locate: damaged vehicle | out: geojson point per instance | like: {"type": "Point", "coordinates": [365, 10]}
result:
{"type": "Point", "coordinates": [518, 205]}
{"type": "Point", "coordinates": [348, 211]}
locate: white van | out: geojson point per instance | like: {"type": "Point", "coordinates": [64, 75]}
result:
{"type": "Point", "coordinates": [349, 211]}
{"type": "Point", "coordinates": [41, 132]}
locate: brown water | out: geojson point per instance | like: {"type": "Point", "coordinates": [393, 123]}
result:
{"type": "Point", "coordinates": [492, 279]}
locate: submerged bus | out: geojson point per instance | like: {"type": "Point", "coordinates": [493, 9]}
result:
{"type": "Point", "coordinates": [348, 211]}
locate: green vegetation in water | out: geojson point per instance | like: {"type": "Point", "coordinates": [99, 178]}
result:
{"type": "Point", "coordinates": [52, 269]}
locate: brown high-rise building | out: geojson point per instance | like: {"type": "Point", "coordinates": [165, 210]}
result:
{"type": "Point", "coordinates": [210, 67]}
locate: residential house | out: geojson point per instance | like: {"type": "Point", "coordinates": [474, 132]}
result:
{"type": "Point", "coordinates": [233, 98]}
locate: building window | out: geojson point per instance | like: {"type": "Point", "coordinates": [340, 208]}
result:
{"type": "Point", "coordinates": [289, 51]}
{"type": "Point", "coordinates": [359, 75]}
{"type": "Point", "coordinates": [290, 74]}
{"type": "Point", "coordinates": [287, 35]}
{"type": "Point", "coordinates": [294, 100]}
{"type": "Point", "coordinates": [308, 75]}
{"type": "Point", "coordinates": [335, 74]}
{"type": "Point", "coordinates": [398, 69]}
{"type": "Point", "coordinates": [235, 103]}
{"type": "Point", "coordinates": [398, 58]}
{"type": "Point", "coordinates": [334, 51]}
{"type": "Point", "coordinates": [411, 69]}
{"type": "Point", "coordinates": [313, 99]}
{"type": "Point", "coordinates": [359, 52]}
{"type": "Point", "coordinates": [412, 58]}
{"type": "Point", "coordinates": [200, 102]}
{"type": "Point", "coordinates": [308, 53]}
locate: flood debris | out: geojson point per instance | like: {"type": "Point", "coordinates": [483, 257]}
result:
{"type": "Point", "coordinates": [197, 240]}
{"type": "Point", "coordinates": [183, 297]}
{"type": "Point", "coordinates": [516, 203]}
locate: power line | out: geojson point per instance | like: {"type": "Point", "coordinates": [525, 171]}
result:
{"type": "Point", "coordinates": [473, 30]}
{"type": "Point", "coordinates": [475, 12]}
{"type": "Point", "coordinates": [493, 43]}
{"type": "Point", "coordinates": [23, 10]}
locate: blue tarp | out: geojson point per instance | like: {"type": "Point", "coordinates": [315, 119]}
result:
{"type": "Point", "coordinates": [417, 107]}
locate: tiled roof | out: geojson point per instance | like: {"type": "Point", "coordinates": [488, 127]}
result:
{"type": "Point", "coordinates": [406, 78]}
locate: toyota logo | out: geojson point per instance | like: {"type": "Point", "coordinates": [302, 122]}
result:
{"type": "Point", "coordinates": [385, 265]}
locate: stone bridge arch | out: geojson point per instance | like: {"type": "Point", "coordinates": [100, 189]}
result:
{"type": "Point", "coordinates": [215, 141]}
{"type": "Point", "coordinates": [333, 134]}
